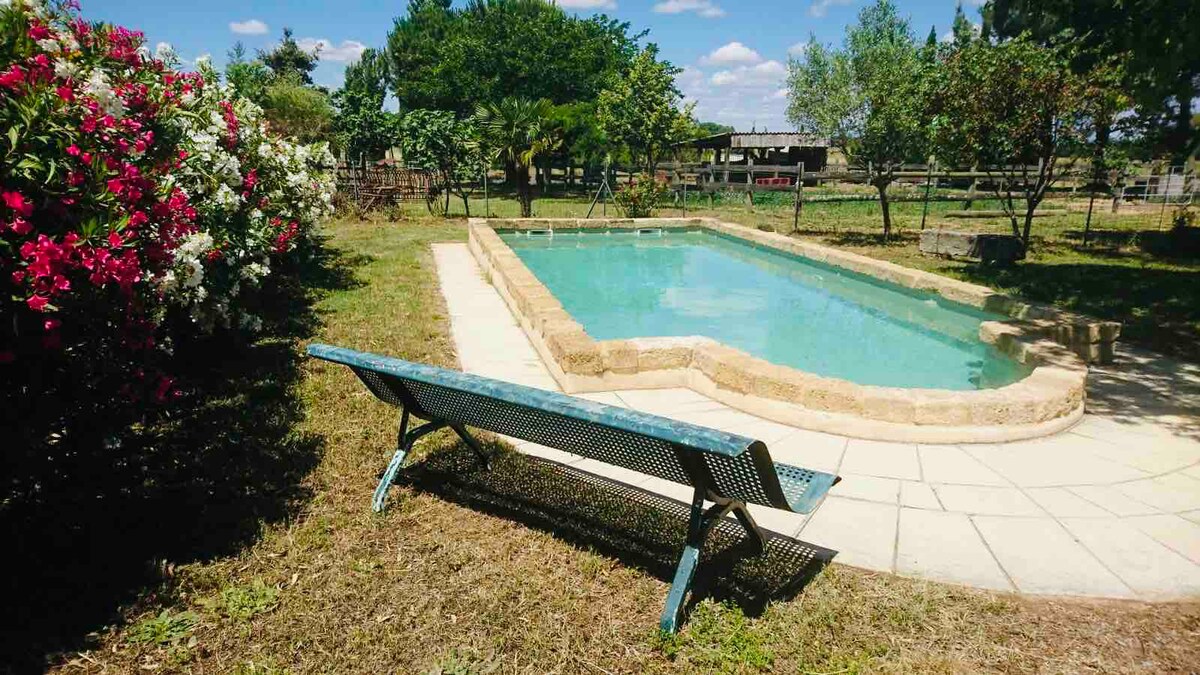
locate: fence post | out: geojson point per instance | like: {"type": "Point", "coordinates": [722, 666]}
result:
{"type": "Point", "coordinates": [684, 198]}
{"type": "Point", "coordinates": [799, 197]}
{"type": "Point", "coordinates": [487, 204]}
{"type": "Point", "coordinates": [928, 183]}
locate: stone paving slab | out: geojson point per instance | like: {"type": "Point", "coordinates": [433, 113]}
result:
{"type": "Point", "coordinates": [1110, 508]}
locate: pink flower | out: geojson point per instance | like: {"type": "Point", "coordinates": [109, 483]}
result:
{"type": "Point", "coordinates": [51, 324]}
{"type": "Point", "coordinates": [38, 302]}
{"type": "Point", "coordinates": [20, 227]}
{"type": "Point", "coordinates": [114, 239]}
{"type": "Point", "coordinates": [12, 78]}
{"type": "Point", "coordinates": [65, 93]}
{"type": "Point", "coordinates": [73, 150]}
{"type": "Point", "coordinates": [17, 202]}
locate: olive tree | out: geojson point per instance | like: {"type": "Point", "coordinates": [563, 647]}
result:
{"type": "Point", "coordinates": [1012, 109]}
{"type": "Point", "coordinates": [868, 97]}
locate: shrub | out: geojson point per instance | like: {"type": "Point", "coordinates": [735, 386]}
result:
{"type": "Point", "coordinates": [640, 198]}
{"type": "Point", "coordinates": [141, 205]}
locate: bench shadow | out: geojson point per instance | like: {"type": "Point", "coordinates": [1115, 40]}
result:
{"type": "Point", "coordinates": [100, 524]}
{"type": "Point", "coordinates": [641, 529]}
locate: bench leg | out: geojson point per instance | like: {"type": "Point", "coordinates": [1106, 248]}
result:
{"type": "Point", "coordinates": [743, 515]}
{"type": "Point", "coordinates": [699, 524]}
{"type": "Point", "coordinates": [473, 444]}
{"type": "Point", "coordinates": [405, 443]}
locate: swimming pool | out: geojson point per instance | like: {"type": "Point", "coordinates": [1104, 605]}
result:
{"type": "Point", "coordinates": [780, 307]}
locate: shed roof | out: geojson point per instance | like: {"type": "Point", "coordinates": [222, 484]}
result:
{"type": "Point", "coordinates": [789, 139]}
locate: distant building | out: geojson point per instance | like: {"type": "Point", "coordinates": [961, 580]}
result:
{"type": "Point", "coordinates": [736, 150]}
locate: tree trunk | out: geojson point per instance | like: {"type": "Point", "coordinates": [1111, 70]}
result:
{"type": "Point", "coordinates": [510, 175]}
{"type": "Point", "coordinates": [1031, 205]}
{"type": "Point", "coordinates": [524, 192]}
{"type": "Point", "coordinates": [882, 186]}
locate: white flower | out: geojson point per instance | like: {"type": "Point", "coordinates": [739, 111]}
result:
{"type": "Point", "coordinates": [65, 70]}
{"type": "Point", "coordinates": [195, 274]}
{"type": "Point", "coordinates": [68, 41]}
{"type": "Point", "coordinates": [203, 60]}
{"type": "Point", "coordinates": [97, 86]}
{"type": "Point", "coordinates": [163, 51]}
{"type": "Point", "coordinates": [48, 45]}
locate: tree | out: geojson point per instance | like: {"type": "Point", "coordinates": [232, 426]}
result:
{"type": "Point", "coordinates": [1005, 108]}
{"type": "Point", "coordinates": [454, 59]}
{"type": "Point", "coordinates": [365, 131]}
{"type": "Point", "coordinates": [297, 111]}
{"type": "Point", "coordinates": [962, 31]}
{"type": "Point", "coordinates": [438, 141]}
{"type": "Point", "coordinates": [249, 79]}
{"type": "Point", "coordinates": [583, 141]}
{"type": "Point", "coordinates": [639, 108]}
{"type": "Point", "coordinates": [1158, 40]}
{"type": "Point", "coordinates": [287, 59]}
{"type": "Point", "coordinates": [518, 132]}
{"type": "Point", "coordinates": [712, 129]}
{"type": "Point", "coordinates": [868, 98]}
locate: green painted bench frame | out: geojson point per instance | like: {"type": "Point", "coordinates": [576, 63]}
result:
{"type": "Point", "coordinates": [726, 469]}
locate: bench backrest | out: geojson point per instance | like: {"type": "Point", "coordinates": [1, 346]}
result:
{"type": "Point", "coordinates": [723, 464]}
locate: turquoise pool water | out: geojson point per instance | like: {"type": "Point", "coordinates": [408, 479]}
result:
{"type": "Point", "coordinates": [780, 307]}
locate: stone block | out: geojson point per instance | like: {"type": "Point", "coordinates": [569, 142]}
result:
{"type": "Point", "coordinates": [989, 248]}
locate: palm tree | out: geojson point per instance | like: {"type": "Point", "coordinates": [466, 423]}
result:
{"type": "Point", "coordinates": [518, 130]}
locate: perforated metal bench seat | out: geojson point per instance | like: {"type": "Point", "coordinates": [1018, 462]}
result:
{"type": "Point", "coordinates": [726, 469]}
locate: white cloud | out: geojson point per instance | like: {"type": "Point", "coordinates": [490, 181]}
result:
{"type": "Point", "coordinates": [348, 50]}
{"type": "Point", "coordinates": [248, 27]}
{"type": "Point", "coordinates": [821, 7]}
{"type": "Point", "coordinates": [734, 52]}
{"type": "Point", "coordinates": [976, 30]}
{"type": "Point", "coordinates": [587, 4]}
{"type": "Point", "coordinates": [777, 95]}
{"type": "Point", "coordinates": [798, 49]}
{"type": "Point", "coordinates": [767, 73]}
{"type": "Point", "coordinates": [704, 8]}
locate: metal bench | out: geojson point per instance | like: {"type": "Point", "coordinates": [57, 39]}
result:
{"type": "Point", "coordinates": [726, 469]}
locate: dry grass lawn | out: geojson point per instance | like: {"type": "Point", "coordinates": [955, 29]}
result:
{"type": "Point", "coordinates": [508, 573]}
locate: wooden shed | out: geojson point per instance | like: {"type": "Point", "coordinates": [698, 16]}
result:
{"type": "Point", "coordinates": [733, 150]}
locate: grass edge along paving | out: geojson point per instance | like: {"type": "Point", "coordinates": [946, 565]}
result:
{"type": "Point", "coordinates": [437, 584]}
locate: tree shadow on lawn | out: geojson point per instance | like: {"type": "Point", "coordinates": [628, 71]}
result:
{"type": "Point", "coordinates": [641, 529]}
{"type": "Point", "coordinates": [1159, 308]}
{"type": "Point", "coordinates": [106, 522]}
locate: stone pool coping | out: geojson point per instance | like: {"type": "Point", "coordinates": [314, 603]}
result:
{"type": "Point", "coordinates": [1047, 401]}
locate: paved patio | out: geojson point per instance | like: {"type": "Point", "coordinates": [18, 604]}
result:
{"type": "Point", "coordinates": [1110, 508]}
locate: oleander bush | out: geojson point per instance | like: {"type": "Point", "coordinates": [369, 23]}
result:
{"type": "Point", "coordinates": [141, 207]}
{"type": "Point", "coordinates": [640, 198]}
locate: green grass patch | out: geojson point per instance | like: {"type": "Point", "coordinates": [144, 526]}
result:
{"type": "Point", "coordinates": [454, 583]}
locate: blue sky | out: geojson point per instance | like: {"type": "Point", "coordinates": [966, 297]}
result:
{"type": "Point", "coordinates": [734, 52]}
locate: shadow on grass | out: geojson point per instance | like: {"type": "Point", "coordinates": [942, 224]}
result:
{"type": "Point", "coordinates": [107, 518]}
{"type": "Point", "coordinates": [641, 529]}
{"type": "Point", "coordinates": [1160, 308]}
{"type": "Point", "coordinates": [1169, 243]}
{"type": "Point", "coordinates": [898, 239]}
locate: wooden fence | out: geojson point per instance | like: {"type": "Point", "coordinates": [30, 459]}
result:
{"type": "Point", "coordinates": [373, 187]}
